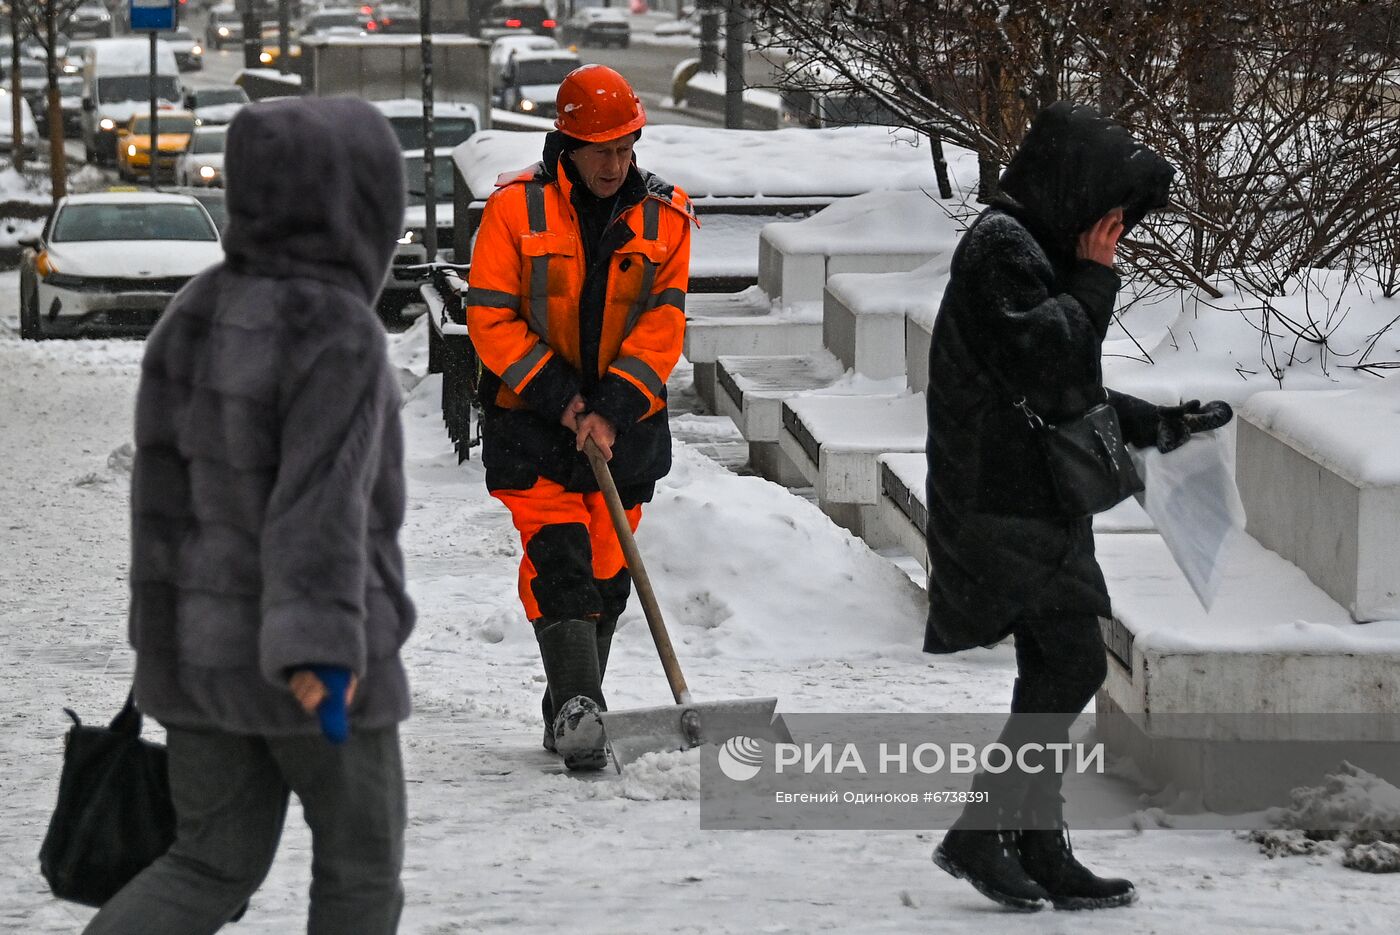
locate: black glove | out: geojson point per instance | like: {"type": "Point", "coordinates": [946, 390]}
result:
{"type": "Point", "coordinates": [1175, 424]}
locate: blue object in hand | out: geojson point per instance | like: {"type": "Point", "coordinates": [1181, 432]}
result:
{"type": "Point", "coordinates": [335, 721]}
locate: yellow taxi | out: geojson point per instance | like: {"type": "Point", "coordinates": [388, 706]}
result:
{"type": "Point", "coordinates": [134, 143]}
{"type": "Point", "coordinates": [271, 50]}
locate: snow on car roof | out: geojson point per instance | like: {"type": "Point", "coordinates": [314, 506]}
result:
{"type": "Point", "coordinates": [409, 107]}
{"type": "Point", "coordinates": [710, 162]}
{"type": "Point", "coordinates": [543, 55]}
{"type": "Point", "coordinates": [136, 197]}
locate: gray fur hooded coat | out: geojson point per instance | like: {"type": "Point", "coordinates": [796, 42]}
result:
{"type": "Point", "coordinates": [268, 488]}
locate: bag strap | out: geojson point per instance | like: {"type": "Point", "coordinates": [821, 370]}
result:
{"type": "Point", "coordinates": [128, 719]}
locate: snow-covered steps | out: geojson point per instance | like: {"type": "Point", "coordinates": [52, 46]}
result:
{"type": "Point", "coordinates": [1319, 475]}
{"type": "Point", "coordinates": [836, 441]}
{"type": "Point", "coordinates": [751, 391]}
{"type": "Point", "coordinates": [903, 508]}
{"type": "Point", "coordinates": [918, 335]}
{"type": "Point", "coordinates": [744, 323]}
{"type": "Point", "coordinates": [878, 232]}
{"type": "Point", "coordinates": [864, 316]}
{"type": "Point", "coordinates": [1272, 645]}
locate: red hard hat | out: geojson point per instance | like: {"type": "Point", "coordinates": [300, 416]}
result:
{"type": "Point", "coordinates": [596, 104]}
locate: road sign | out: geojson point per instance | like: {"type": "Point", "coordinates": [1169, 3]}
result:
{"type": "Point", "coordinates": [154, 15]}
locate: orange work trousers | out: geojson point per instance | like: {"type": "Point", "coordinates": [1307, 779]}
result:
{"type": "Point", "coordinates": [573, 567]}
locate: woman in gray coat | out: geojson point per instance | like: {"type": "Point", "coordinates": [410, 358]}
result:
{"type": "Point", "coordinates": [267, 496]}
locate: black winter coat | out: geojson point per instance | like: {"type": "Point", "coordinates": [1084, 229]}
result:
{"type": "Point", "coordinates": [1022, 316]}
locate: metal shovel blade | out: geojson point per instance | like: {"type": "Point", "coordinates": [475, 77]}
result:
{"type": "Point", "coordinates": [635, 733]}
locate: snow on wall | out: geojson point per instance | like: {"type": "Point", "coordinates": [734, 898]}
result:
{"type": "Point", "coordinates": [916, 293]}
{"type": "Point", "coordinates": [1353, 433]}
{"type": "Point", "coordinates": [897, 221]}
{"type": "Point", "coordinates": [712, 162]}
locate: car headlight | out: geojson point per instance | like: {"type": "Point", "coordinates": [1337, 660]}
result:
{"type": "Point", "coordinates": [207, 172]}
{"type": "Point", "coordinates": [197, 50]}
{"type": "Point", "coordinates": [131, 150]}
{"type": "Point", "coordinates": [408, 237]}
{"type": "Point", "coordinates": [526, 104]}
{"type": "Point", "coordinates": [265, 58]}
{"type": "Point", "coordinates": [223, 32]}
{"type": "Point", "coordinates": [107, 123]}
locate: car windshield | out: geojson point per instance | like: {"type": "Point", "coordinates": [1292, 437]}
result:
{"type": "Point", "coordinates": [70, 85]}
{"type": "Point", "coordinates": [215, 98]}
{"type": "Point", "coordinates": [171, 124]}
{"type": "Point", "coordinates": [136, 88]}
{"type": "Point", "coordinates": [543, 71]}
{"type": "Point", "coordinates": [208, 141]}
{"type": "Point", "coordinates": [116, 221]}
{"type": "Point", "coordinates": [447, 131]}
{"type": "Point", "coordinates": [442, 179]}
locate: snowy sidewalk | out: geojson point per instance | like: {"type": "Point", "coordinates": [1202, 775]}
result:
{"type": "Point", "coordinates": [499, 839]}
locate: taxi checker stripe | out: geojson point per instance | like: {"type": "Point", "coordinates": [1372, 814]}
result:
{"type": "Point", "coordinates": [539, 265]}
{"type": "Point", "coordinates": [517, 372]}
{"type": "Point", "coordinates": [492, 298]}
{"type": "Point", "coordinates": [634, 367]}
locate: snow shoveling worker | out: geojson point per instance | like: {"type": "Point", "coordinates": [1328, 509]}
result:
{"type": "Point", "coordinates": [576, 308]}
{"type": "Point", "coordinates": [267, 586]}
{"type": "Point", "coordinates": [1020, 331]}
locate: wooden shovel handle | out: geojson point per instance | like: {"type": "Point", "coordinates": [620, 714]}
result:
{"type": "Point", "coordinates": [639, 572]}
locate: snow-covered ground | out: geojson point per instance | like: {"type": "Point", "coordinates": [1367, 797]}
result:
{"type": "Point", "coordinates": [764, 596]}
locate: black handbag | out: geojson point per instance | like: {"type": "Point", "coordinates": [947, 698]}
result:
{"type": "Point", "coordinates": [1090, 469]}
{"type": "Point", "coordinates": [114, 815]}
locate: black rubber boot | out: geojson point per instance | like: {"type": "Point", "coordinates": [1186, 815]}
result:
{"type": "Point", "coordinates": [569, 651]}
{"type": "Point", "coordinates": [990, 862]}
{"type": "Point", "coordinates": [602, 639]}
{"type": "Point", "coordinates": [1049, 860]}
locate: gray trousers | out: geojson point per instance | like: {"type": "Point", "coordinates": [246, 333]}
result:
{"type": "Point", "coordinates": [230, 793]}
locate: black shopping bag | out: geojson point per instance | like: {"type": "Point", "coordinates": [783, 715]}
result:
{"type": "Point", "coordinates": [114, 815]}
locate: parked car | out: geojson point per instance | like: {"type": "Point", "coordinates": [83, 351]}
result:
{"type": "Point", "coordinates": [508, 19]}
{"type": "Point", "coordinates": [134, 143]}
{"type": "Point", "coordinates": [214, 106]}
{"type": "Point", "coordinates": [29, 130]}
{"type": "Point", "coordinates": [401, 288]}
{"type": "Point", "coordinates": [109, 263]}
{"type": "Point", "coordinates": [202, 163]}
{"type": "Point", "coordinates": [452, 123]}
{"type": "Point", "coordinates": [91, 21]}
{"type": "Point", "coordinates": [224, 27]}
{"type": "Point", "coordinates": [189, 52]}
{"type": "Point", "coordinates": [601, 26]}
{"type": "Point", "coordinates": [530, 81]}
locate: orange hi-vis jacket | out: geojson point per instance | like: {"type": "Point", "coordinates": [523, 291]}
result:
{"type": "Point", "coordinates": [525, 309]}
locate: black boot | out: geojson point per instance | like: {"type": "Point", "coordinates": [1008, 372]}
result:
{"type": "Point", "coordinates": [989, 861]}
{"type": "Point", "coordinates": [1049, 861]}
{"type": "Point", "coordinates": [602, 639]}
{"type": "Point", "coordinates": [569, 651]}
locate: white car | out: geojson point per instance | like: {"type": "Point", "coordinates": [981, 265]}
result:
{"type": "Point", "coordinates": [212, 106]}
{"type": "Point", "coordinates": [530, 81]}
{"type": "Point", "coordinates": [505, 47]}
{"type": "Point", "coordinates": [109, 263]}
{"type": "Point", "coordinates": [599, 26]}
{"type": "Point", "coordinates": [29, 130]}
{"type": "Point", "coordinates": [452, 122]}
{"type": "Point", "coordinates": [201, 165]}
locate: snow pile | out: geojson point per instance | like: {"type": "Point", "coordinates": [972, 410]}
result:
{"type": "Point", "coordinates": [1360, 811]}
{"type": "Point", "coordinates": [896, 221]}
{"type": "Point", "coordinates": [1328, 331]}
{"type": "Point", "coordinates": [710, 162]}
{"type": "Point", "coordinates": [916, 294]}
{"type": "Point", "coordinates": [653, 777]}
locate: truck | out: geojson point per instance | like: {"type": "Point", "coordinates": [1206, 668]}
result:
{"type": "Point", "coordinates": [116, 84]}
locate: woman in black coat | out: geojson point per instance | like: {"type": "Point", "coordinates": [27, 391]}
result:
{"type": "Point", "coordinates": [1027, 306]}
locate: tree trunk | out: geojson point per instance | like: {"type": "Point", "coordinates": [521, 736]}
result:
{"type": "Point", "coordinates": [16, 94]}
{"type": "Point", "coordinates": [58, 164]}
{"type": "Point", "coordinates": [940, 166]}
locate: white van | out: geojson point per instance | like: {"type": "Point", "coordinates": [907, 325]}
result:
{"type": "Point", "coordinates": [116, 84]}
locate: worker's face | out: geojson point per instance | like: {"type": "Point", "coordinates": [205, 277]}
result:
{"type": "Point", "coordinates": [604, 165]}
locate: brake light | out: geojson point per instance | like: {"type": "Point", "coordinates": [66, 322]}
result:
{"type": "Point", "coordinates": [367, 10]}
{"type": "Point", "coordinates": [548, 24]}
{"type": "Point", "coordinates": [371, 26]}
{"type": "Point", "coordinates": [513, 24]}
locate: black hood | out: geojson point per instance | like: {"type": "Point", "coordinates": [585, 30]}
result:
{"type": "Point", "coordinates": [315, 189]}
{"type": "Point", "coordinates": [1073, 167]}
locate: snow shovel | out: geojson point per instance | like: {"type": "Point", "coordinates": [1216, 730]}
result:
{"type": "Point", "coordinates": [687, 723]}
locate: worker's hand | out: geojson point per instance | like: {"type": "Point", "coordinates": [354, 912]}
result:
{"type": "Point", "coordinates": [328, 691]}
{"type": "Point", "coordinates": [1100, 242]}
{"type": "Point", "coordinates": [571, 413]}
{"type": "Point", "coordinates": [600, 430]}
